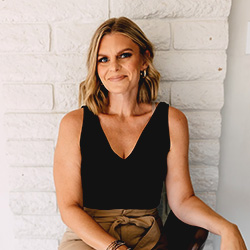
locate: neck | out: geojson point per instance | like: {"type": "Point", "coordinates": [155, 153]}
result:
{"type": "Point", "coordinates": [123, 106]}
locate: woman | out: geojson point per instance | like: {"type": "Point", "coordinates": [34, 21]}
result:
{"type": "Point", "coordinates": [113, 154]}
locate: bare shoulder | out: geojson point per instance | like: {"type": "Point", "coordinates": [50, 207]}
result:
{"type": "Point", "coordinates": [71, 123]}
{"type": "Point", "coordinates": [73, 118]}
{"type": "Point", "coordinates": [176, 117]}
{"type": "Point", "coordinates": [178, 124]}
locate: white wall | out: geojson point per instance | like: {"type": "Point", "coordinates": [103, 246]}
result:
{"type": "Point", "coordinates": [43, 48]}
{"type": "Point", "coordinates": [233, 197]}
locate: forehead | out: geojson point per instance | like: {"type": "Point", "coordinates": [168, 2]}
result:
{"type": "Point", "coordinates": [116, 42]}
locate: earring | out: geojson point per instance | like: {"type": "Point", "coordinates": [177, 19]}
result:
{"type": "Point", "coordinates": [143, 73]}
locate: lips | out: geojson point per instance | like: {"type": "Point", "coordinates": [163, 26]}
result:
{"type": "Point", "coordinates": [116, 78]}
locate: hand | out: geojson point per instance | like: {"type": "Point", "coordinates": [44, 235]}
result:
{"type": "Point", "coordinates": [231, 239]}
{"type": "Point", "coordinates": [124, 247]}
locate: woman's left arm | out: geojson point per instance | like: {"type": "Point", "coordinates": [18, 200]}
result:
{"type": "Point", "coordinates": [182, 200]}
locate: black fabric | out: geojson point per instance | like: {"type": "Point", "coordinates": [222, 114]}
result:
{"type": "Point", "coordinates": [110, 182]}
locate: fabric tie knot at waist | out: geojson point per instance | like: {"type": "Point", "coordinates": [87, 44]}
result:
{"type": "Point", "coordinates": [148, 223]}
{"type": "Point", "coordinates": [139, 228]}
{"type": "Point", "coordinates": [122, 219]}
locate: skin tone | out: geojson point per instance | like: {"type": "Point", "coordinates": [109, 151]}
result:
{"type": "Point", "coordinates": [119, 66]}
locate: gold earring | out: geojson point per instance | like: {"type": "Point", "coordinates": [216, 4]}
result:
{"type": "Point", "coordinates": [143, 73]}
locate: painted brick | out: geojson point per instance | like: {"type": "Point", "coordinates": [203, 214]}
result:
{"type": "Point", "coordinates": [24, 38]}
{"type": "Point", "coordinates": [38, 244]}
{"type": "Point", "coordinates": [42, 68]}
{"type": "Point", "coordinates": [204, 152]}
{"type": "Point", "coordinates": [209, 245]}
{"type": "Point", "coordinates": [74, 37]}
{"type": "Point", "coordinates": [161, 9]}
{"type": "Point", "coordinates": [164, 92]}
{"type": "Point", "coordinates": [209, 242]}
{"type": "Point", "coordinates": [53, 10]}
{"type": "Point", "coordinates": [46, 227]}
{"type": "Point", "coordinates": [197, 96]}
{"type": "Point", "coordinates": [208, 197]}
{"type": "Point", "coordinates": [189, 66]}
{"type": "Point", "coordinates": [28, 97]}
{"type": "Point", "coordinates": [30, 153]}
{"type": "Point", "coordinates": [45, 43]}
{"type": "Point", "coordinates": [204, 178]}
{"type": "Point", "coordinates": [204, 124]}
{"type": "Point", "coordinates": [32, 126]}
{"type": "Point", "coordinates": [66, 97]}
{"type": "Point", "coordinates": [157, 31]}
{"type": "Point", "coordinates": [200, 35]}
{"type": "Point", "coordinates": [33, 203]}
{"type": "Point", "coordinates": [35, 179]}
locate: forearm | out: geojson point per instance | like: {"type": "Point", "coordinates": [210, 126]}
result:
{"type": "Point", "coordinates": [195, 212]}
{"type": "Point", "coordinates": [86, 228]}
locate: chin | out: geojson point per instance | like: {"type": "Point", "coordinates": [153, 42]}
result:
{"type": "Point", "coordinates": [117, 88]}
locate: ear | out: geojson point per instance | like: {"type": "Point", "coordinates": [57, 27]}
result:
{"type": "Point", "coordinates": [145, 57]}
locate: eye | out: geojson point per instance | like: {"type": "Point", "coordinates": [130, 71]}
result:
{"type": "Point", "coordinates": [103, 60]}
{"type": "Point", "coordinates": [125, 55]}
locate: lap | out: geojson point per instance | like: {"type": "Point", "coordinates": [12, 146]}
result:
{"type": "Point", "coordinates": [140, 229]}
{"type": "Point", "coordinates": [71, 241]}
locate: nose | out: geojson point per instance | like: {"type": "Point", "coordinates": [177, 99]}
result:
{"type": "Point", "coordinates": [114, 65]}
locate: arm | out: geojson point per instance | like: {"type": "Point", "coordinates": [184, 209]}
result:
{"type": "Point", "coordinates": [67, 177]}
{"type": "Point", "coordinates": [182, 200]}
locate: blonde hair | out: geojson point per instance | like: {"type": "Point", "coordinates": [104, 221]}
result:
{"type": "Point", "coordinates": [91, 92]}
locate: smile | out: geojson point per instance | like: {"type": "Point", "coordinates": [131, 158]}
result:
{"type": "Point", "coordinates": [116, 78]}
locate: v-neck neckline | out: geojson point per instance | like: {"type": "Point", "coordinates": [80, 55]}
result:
{"type": "Point", "coordinates": [138, 140]}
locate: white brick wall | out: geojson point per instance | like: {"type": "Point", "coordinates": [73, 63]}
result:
{"type": "Point", "coordinates": [43, 46]}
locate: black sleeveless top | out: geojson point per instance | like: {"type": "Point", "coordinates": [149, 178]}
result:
{"type": "Point", "coordinates": [110, 182]}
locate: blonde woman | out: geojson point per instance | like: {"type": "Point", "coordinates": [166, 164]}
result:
{"type": "Point", "coordinates": [114, 154]}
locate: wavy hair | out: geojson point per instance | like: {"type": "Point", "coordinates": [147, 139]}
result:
{"type": "Point", "coordinates": [91, 92]}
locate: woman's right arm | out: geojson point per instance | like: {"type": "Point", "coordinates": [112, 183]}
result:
{"type": "Point", "coordinates": [67, 178]}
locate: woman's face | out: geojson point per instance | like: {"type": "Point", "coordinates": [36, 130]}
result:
{"type": "Point", "coordinates": [119, 64]}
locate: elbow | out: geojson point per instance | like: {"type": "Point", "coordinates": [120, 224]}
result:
{"type": "Point", "coordinates": [66, 212]}
{"type": "Point", "coordinates": [181, 207]}
{"type": "Point", "coordinates": [63, 216]}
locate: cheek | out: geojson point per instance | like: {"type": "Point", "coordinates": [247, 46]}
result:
{"type": "Point", "coordinates": [134, 67]}
{"type": "Point", "coordinates": [100, 72]}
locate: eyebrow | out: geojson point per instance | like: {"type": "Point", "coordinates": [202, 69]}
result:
{"type": "Point", "coordinates": [120, 52]}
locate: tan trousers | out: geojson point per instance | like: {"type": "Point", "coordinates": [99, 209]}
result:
{"type": "Point", "coordinates": [140, 229]}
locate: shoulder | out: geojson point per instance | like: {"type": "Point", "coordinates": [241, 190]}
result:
{"type": "Point", "coordinates": [176, 117]}
{"type": "Point", "coordinates": [73, 117]}
{"type": "Point", "coordinates": [178, 124]}
{"type": "Point", "coordinates": [71, 123]}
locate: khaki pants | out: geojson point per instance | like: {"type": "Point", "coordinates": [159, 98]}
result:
{"type": "Point", "coordinates": [140, 229]}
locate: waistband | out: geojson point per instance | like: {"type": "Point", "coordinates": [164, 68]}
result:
{"type": "Point", "coordinates": [121, 212]}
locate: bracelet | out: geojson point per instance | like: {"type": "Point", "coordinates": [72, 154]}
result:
{"type": "Point", "coordinates": [115, 244]}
